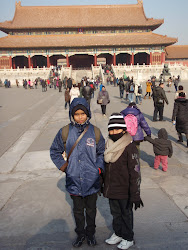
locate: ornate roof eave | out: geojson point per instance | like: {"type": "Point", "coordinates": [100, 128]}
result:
{"type": "Point", "coordinates": [85, 40]}
{"type": "Point", "coordinates": [7, 28]}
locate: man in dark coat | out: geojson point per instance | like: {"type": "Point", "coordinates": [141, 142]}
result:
{"type": "Point", "coordinates": [180, 115]}
{"type": "Point", "coordinates": [159, 97]}
{"type": "Point", "coordinates": [69, 83]}
{"type": "Point", "coordinates": [60, 85]}
{"type": "Point", "coordinates": [87, 92]}
{"type": "Point", "coordinates": [121, 87]}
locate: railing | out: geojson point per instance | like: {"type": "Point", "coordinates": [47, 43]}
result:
{"type": "Point", "coordinates": [146, 71]}
{"type": "Point", "coordinates": [24, 73]}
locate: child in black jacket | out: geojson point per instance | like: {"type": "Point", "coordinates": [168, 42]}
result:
{"type": "Point", "coordinates": [122, 181]}
{"type": "Point", "coordinates": [162, 149]}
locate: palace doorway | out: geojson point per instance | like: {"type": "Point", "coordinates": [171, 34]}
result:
{"type": "Point", "coordinates": [123, 58]}
{"type": "Point", "coordinates": [141, 58]}
{"type": "Point", "coordinates": [81, 61]}
{"type": "Point", "coordinates": [20, 61]}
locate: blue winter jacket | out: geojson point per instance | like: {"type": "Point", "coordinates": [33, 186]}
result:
{"type": "Point", "coordinates": [142, 124]}
{"type": "Point", "coordinates": [82, 174]}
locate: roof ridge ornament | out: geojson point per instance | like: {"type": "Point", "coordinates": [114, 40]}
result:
{"type": "Point", "coordinates": [140, 2]}
{"type": "Point", "coordinates": [18, 4]}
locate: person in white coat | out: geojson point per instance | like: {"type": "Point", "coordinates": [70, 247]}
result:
{"type": "Point", "coordinates": [74, 92]}
{"type": "Point", "coordinates": [138, 92]}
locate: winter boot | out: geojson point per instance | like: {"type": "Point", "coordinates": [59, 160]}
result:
{"type": "Point", "coordinates": [180, 139]}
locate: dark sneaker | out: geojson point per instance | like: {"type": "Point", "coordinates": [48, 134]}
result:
{"type": "Point", "coordinates": [91, 241]}
{"type": "Point", "coordinates": [179, 141]}
{"type": "Point", "coordinates": [79, 241]}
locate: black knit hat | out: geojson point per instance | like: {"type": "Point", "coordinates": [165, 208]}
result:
{"type": "Point", "coordinates": [116, 121]}
{"type": "Point", "coordinates": [82, 107]}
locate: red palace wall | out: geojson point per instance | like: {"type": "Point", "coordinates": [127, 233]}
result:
{"type": "Point", "coordinates": [184, 62]}
{"type": "Point", "coordinates": [156, 58]}
{"type": "Point", "coordinates": [4, 62]}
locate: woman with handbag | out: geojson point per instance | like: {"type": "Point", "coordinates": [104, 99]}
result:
{"type": "Point", "coordinates": [103, 99]}
{"type": "Point", "coordinates": [84, 147]}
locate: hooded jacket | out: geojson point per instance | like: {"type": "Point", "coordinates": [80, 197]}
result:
{"type": "Point", "coordinates": [161, 145]}
{"type": "Point", "coordinates": [180, 114]}
{"type": "Point", "coordinates": [82, 174]}
{"type": "Point", "coordinates": [142, 124]}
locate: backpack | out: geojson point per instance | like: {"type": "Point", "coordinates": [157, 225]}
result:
{"type": "Point", "coordinates": [131, 123]}
{"type": "Point", "coordinates": [65, 132]}
{"type": "Point", "coordinates": [139, 90]}
{"type": "Point", "coordinates": [131, 87]}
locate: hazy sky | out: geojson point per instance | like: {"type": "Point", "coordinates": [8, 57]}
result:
{"type": "Point", "coordinates": [174, 13]}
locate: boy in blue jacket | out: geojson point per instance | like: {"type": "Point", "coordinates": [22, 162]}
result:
{"type": "Point", "coordinates": [85, 165]}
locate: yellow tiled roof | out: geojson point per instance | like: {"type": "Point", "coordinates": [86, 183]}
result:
{"type": "Point", "coordinates": [177, 52]}
{"type": "Point", "coordinates": [88, 16]}
{"type": "Point", "coordinates": [85, 40]}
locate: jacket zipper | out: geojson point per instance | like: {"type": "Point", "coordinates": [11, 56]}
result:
{"type": "Point", "coordinates": [109, 180]}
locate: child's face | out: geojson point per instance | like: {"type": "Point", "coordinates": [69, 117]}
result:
{"type": "Point", "coordinates": [80, 117]}
{"type": "Point", "coordinates": [115, 131]}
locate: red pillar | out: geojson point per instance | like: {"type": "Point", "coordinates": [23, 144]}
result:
{"type": "Point", "coordinates": [29, 61]}
{"type": "Point", "coordinates": [10, 62]}
{"type": "Point", "coordinates": [48, 61]}
{"type": "Point", "coordinates": [114, 59]}
{"type": "Point", "coordinates": [14, 63]}
{"type": "Point", "coordinates": [67, 58]}
{"type": "Point", "coordinates": [132, 59]}
{"type": "Point", "coordinates": [162, 57]}
{"type": "Point", "coordinates": [32, 62]}
{"type": "Point", "coordinates": [95, 60]}
{"type": "Point", "coordinates": [150, 59]}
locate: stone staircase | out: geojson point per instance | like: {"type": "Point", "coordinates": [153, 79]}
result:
{"type": "Point", "coordinates": [77, 75]}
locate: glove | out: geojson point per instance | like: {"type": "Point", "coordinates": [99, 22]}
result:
{"type": "Point", "coordinates": [101, 176]}
{"type": "Point", "coordinates": [136, 204]}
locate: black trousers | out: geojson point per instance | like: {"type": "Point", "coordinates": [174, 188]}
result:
{"type": "Point", "coordinates": [122, 219]}
{"type": "Point", "coordinates": [84, 209]}
{"type": "Point", "coordinates": [160, 109]}
{"type": "Point", "coordinates": [103, 108]}
{"type": "Point", "coordinates": [148, 93]}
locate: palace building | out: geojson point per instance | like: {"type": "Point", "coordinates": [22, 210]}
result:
{"type": "Point", "coordinates": [81, 36]}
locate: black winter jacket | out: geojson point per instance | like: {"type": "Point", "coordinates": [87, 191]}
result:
{"type": "Point", "coordinates": [159, 94]}
{"type": "Point", "coordinates": [180, 114]}
{"type": "Point", "coordinates": [87, 92]}
{"type": "Point", "coordinates": [161, 145]}
{"type": "Point", "coordinates": [122, 178]}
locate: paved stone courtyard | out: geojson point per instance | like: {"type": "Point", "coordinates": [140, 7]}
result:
{"type": "Point", "coordinates": [35, 208]}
